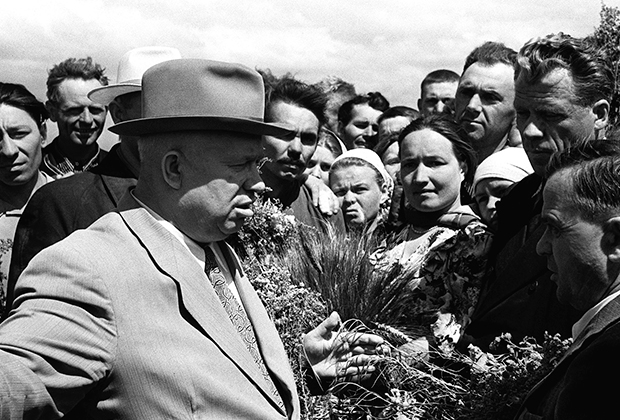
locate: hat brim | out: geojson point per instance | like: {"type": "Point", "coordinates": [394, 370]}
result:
{"type": "Point", "coordinates": [106, 94]}
{"type": "Point", "coordinates": [156, 125]}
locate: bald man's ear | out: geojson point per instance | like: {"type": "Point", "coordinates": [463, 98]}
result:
{"type": "Point", "coordinates": [171, 169]}
{"type": "Point", "coordinates": [611, 239]}
{"type": "Point", "coordinates": [116, 112]}
{"type": "Point", "coordinates": [601, 110]}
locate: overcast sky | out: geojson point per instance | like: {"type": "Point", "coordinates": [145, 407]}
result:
{"type": "Point", "coordinates": [387, 45]}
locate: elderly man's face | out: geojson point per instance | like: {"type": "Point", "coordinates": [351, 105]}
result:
{"type": "Point", "coordinates": [549, 117]}
{"type": "Point", "coordinates": [484, 104]}
{"type": "Point", "coordinates": [219, 181]}
{"type": "Point", "coordinates": [572, 247]}
{"type": "Point", "coordinates": [79, 119]}
{"type": "Point", "coordinates": [289, 157]}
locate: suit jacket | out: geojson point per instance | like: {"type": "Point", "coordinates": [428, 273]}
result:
{"type": "Point", "coordinates": [118, 321]}
{"type": "Point", "coordinates": [518, 296]}
{"type": "Point", "coordinates": [583, 385]}
{"type": "Point", "coordinates": [64, 206]}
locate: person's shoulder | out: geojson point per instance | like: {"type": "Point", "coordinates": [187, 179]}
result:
{"type": "Point", "coordinates": [524, 189]}
{"type": "Point", "coordinates": [460, 218]}
{"type": "Point", "coordinates": [65, 190]}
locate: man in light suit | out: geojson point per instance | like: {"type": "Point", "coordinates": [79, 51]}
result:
{"type": "Point", "coordinates": [581, 243]}
{"type": "Point", "coordinates": [125, 319]}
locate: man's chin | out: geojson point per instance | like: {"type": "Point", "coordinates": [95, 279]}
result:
{"type": "Point", "coordinates": [84, 140]}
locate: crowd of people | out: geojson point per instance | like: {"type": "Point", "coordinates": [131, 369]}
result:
{"type": "Point", "coordinates": [497, 200]}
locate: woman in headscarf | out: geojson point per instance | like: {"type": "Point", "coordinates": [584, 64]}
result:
{"type": "Point", "coordinates": [363, 186]}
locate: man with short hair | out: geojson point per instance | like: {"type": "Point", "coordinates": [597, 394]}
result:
{"type": "Point", "coordinates": [80, 121]}
{"type": "Point", "coordinates": [437, 92]}
{"type": "Point", "coordinates": [357, 120]}
{"type": "Point", "coordinates": [301, 106]}
{"type": "Point", "coordinates": [338, 92]}
{"type": "Point", "coordinates": [581, 246]}
{"type": "Point", "coordinates": [394, 119]}
{"type": "Point", "coordinates": [484, 99]}
{"type": "Point", "coordinates": [147, 314]}
{"type": "Point", "coordinates": [563, 88]}
{"type": "Point", "coordinates": [75, 202]}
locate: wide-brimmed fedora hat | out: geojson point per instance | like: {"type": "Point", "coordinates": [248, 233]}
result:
{"type": "Point", "coordinates": [130, 70]}
{"type": "Point", "coordinates": [195, 94]}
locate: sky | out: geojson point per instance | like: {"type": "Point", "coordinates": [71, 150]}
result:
{"type": "Point", "coordinates": [387, 46]}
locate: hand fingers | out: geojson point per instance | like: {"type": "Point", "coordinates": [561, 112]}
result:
{"type": "Point", "coordinates": [326, 206]}
{"type": "Point", "coordinates": [362, 339]}
{"type": "Point", "coordinates": [357, 366]}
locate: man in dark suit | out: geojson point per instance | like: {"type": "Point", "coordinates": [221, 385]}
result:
{"type": "Point", "coordinates": [147, 314]}
{"type": "Point", "coordinates": [581, 244]}
{"type": "Point", "coordinates": [563, 87]}
{"type": "Point", "coordinates": [76, 202]}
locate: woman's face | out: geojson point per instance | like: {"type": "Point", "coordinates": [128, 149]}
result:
{"type": "Point", "coordinates": [391, 161]}
{"type": "Point", "coordinates": [430, 172]}
{"type": "Point", "coordinates": [320, 163]}
{"type": "Point", "coordinates": [20, 146]}
{"type": "Point", "coordinates": [359, 193]}
{"type": "Point", "coordinates": [488, 192]}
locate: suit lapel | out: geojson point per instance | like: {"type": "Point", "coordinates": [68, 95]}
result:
{"type": "Point", "coordinates": [196, 293]}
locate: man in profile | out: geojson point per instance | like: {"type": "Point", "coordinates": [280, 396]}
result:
{"type": "Point", "coordinates": [147, 314]}
{"type": "Point", "coordinates": [437, 92]}
{"type": "Point", "coordinates": [80, 121]}
{"type": "Point", "coordinates": [484, 99]}
{"type": "Point", "coordinates": [581, 245]}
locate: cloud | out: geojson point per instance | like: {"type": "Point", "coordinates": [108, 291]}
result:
{"type": "Point", "coordinates": [387, 46]}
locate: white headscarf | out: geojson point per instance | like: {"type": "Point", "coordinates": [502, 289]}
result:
{"type": "Point", "coordinates": [374, 160]}
{"type": "Point", "coordinates": [510, 164]}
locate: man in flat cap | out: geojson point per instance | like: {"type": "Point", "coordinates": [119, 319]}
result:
{"type": "Point", "coordinates": [147, 313]}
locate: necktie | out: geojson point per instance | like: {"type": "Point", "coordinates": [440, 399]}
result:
{"type": "Point", "coordinates": [238, 317]}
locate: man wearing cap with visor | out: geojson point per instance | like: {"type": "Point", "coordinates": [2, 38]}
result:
{"type": "Point", "coordinates": [76, 202]}
{"type": "Point", "coordinates": [147, 313]}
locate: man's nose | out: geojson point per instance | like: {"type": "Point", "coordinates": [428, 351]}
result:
{"type": "Point", "coordinates": [474, 104]}
{"type": "Point", "coordinates": [369, 131]}
{"type": "Point", "coordinates": [349, 197]}
{"type": "Point", "coordinates": [532, 130]}
{"type": "Point", "coordinates": [295, 146]}
{"type": "Point", "coordinates": [8, 148]}
{"type": "Point", "coordinates": [86, 117]}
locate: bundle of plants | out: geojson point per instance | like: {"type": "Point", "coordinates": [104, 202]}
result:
{"type": "Point", "coordinates": [267, 233]}
{"type": "Point", "coordinates": [337, 265]}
